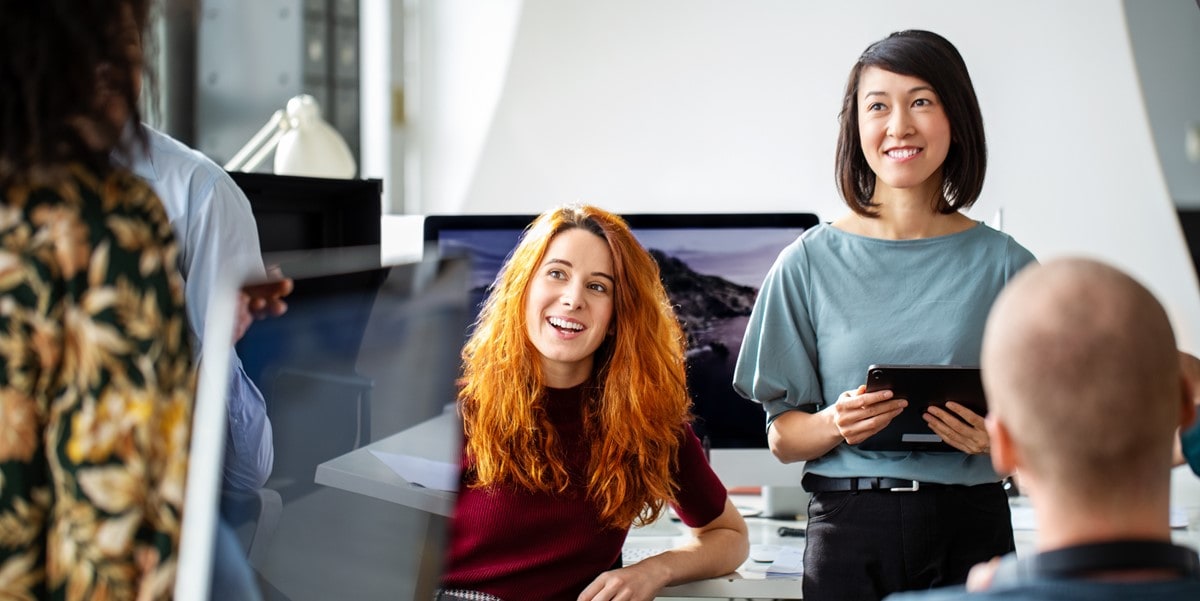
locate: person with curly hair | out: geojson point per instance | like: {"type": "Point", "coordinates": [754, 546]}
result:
{"type": "Point", "coordinates": [96, 375]}
{"type": "Point", "coordinates": [576, 420]}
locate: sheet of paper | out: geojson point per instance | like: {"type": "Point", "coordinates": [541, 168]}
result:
{"type": "Point", "coordinates": [437, 475]}
{"type": "Point", "coordinates": [790, 560]}
{"type": "Point", "coordinates": [1179, 518]}
{"type": "Point", "coordinates": [1023, 518]}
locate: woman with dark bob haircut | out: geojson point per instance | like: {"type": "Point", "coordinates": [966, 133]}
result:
{"type": "Point", "coordinates": [576, 420]}
{"type": "Point", "coordinates": [904, 278]}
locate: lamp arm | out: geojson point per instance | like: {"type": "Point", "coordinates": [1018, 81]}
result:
{"type": "Point", "coordinates": [253, 162]}
{"type": "Point", "coordinates": [260, 144]}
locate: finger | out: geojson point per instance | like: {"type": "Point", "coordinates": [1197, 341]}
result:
{"type": "Point", "coordinates": [866, 399]}
{"type": "Point", "coordinates": [964, 412]}
{"type": "Point", "coordinates": [860, 430]}
{"type": "Point", "coordinates": [852, 413]}
{"type": "Point", "coordinates": [952, 421]}
{"type": "Point", "coordinates": [981, 575]}
{"type": "Point", "coordinates": [946, 429]}
{"type": "Point", "coordinates": [857, 391]}
{"type": "Point", "coordinates": [968, 441]}
{"type": "Point", "coordinates": [278, 307]}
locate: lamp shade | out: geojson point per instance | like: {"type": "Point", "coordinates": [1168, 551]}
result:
{"type": "Point", "coordinates": [311, 147]}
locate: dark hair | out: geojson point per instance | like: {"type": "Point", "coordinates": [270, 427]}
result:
{"type": "Point", "coordinates": [930, 57]}
{"type": "Point", "coordinates": [63, 63]}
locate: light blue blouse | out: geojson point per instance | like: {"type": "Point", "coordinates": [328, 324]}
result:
{"type": "Point", "coordinates": [835, 303]}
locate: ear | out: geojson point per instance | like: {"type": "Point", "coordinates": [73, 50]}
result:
{"type": "Point", "coordinates": [1187, 414]}
{"type": "Point", "coordinates": [1189, 375]}
{"type": "Point", "coordinates": [1005, 458]}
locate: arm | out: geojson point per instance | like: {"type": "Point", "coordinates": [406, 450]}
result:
{"type": "Point", "coordinates": [719, 547]}
{"type": "Point", "coordinates": [856, 416]}
{"type": "Point", "coordinates": [220, 238]}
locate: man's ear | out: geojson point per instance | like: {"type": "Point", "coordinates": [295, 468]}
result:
{"type": "Point", "coordinates": [1187, 414]}
{"type": "Point", "coordinates": [1004, 454]}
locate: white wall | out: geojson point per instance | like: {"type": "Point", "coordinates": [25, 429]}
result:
{"type": "Point", "coordinates": [690, 105]}
{"type": "Point", "coordinates": [1166, 46]}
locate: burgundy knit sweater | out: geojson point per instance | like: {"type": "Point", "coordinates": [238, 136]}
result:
{"type": "Point", "coordinates": [524, 546]}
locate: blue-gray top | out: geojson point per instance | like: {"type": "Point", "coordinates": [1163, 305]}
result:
{"type": "Point", "coordinates": [835, 303]}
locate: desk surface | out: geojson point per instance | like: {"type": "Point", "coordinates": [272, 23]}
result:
{"type": "Point", "coordinates": [361, 472]}
{"type": "Point", "coordinates": [751, 579]}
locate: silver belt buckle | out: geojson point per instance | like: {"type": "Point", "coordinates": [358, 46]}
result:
{"type": "Point", "coordinates": [914, 488]}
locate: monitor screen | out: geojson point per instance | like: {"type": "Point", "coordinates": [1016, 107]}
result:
{"type": "Point", "coordinates": [303, 213]}
{"type": "Point", "coordinates": [712, 266]}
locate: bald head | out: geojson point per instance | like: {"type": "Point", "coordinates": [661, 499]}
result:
{"type": "Point", "coordinates": [1080, 366]}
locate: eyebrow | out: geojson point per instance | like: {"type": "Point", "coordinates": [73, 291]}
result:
{"type": "Point", "coordinates": [600, 274]}
{"type": "Point", "coordinates": [910, 91]}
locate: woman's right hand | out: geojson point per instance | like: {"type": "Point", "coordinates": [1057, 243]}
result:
{"type": "Point", "coordinates": [859, 414]}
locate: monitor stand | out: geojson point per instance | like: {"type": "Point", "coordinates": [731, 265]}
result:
{"type": "Point", "coordinates": [784, 502]}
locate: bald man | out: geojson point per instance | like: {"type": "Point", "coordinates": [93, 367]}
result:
{"type": "Point", "coordinates": [1085, 393]}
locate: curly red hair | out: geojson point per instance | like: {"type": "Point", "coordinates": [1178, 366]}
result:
{"type": "Point", "coordinates": [640, 402]}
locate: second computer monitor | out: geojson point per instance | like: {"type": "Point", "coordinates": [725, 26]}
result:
{"type": "Point", "coordinates": [712, 266]}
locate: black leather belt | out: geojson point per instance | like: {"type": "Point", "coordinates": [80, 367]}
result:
{"type": "Point", "coordinates": [815, 483]}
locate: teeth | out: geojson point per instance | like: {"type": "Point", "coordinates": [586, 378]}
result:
{"type": "Point", "coordinates": [558, 322]}
{"type": "Point", "coordinates": [902, 153]}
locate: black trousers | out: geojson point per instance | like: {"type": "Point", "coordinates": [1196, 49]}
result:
{"type": "Point", "coordinates": [864, 545]}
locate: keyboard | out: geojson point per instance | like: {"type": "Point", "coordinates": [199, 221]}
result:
{"type": "Point", "coordinates": [632, 555]}
{"type": "Point", "coordinates": [663, 527]}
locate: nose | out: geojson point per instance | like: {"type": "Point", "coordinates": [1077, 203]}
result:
{"type": "Point", "coordinates": [572, 297]}
{"type": "Point", "coordinates": [899, 123]}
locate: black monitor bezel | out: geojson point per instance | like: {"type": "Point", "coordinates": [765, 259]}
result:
{"type": "Point", "coordinates": [435, 223]}
{"type": "Point", "coordinates": [341, 208]}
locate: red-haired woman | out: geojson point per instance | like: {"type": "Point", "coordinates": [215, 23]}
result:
{"type": "Point", "coordinates": [576, 416]}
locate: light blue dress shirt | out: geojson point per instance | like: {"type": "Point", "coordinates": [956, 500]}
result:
{"type": "Point", "coordinates": [835, 303]}
{"type": "Point", "coordinates": [211, 218]}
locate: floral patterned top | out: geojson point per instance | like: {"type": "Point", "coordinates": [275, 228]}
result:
{"type": "Point", "coordinates": [96, 390]}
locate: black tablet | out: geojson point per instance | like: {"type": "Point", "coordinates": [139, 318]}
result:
{"type": "Point", "coordinates": [922, 386]}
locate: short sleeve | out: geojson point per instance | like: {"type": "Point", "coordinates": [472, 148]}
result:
{"type": "Point", "coordinates": [777, 363]}
{"type": "Point", "coordinates": [701, 497]}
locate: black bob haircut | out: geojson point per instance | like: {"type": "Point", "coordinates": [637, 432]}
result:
{"type": "Point", "coordinates": [932, 58]}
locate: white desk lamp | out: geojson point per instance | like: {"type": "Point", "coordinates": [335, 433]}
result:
{"type": "Point", "coordinates": [303, 142]}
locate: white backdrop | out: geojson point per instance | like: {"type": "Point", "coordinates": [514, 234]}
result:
{"type": "Point", "coordinates": [722, 105]}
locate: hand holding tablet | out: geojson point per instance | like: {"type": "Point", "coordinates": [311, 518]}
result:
{"type": "Point", "coordinates": [945, 403]}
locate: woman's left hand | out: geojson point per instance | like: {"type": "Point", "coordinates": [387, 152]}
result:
{"type": "Point", "coordinates": [632, 583]}
{"type": "Point", "coordinates": [970, 437]}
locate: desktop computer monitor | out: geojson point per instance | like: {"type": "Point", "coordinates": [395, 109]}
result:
{"type": "Point", "coordinates": [712, 266]}
{"type": "Point", "coordinates": [302, 213]}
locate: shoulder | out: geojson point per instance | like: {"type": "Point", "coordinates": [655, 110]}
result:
{"type": "Point", "coordinates": [798, 253]}
{"type": "Point", "coordinates": [996, 246]}
{"type": "Point", "coordinates": [171, 165]}
{"type": "Point", "coordinates": [108, 226]}
{"type": "Point", "coordinates": [168, 154]}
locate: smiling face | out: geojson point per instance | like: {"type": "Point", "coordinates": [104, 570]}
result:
{"type": "Point", "coordinates": [569, 305]}
{"type": "Point", "coordinates": [903, 130]}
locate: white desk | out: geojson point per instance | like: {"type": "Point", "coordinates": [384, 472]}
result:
{"type": "Point", "coordinates": [361, 472]}
{"type": "Point", "coordinates": [751, 579]}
